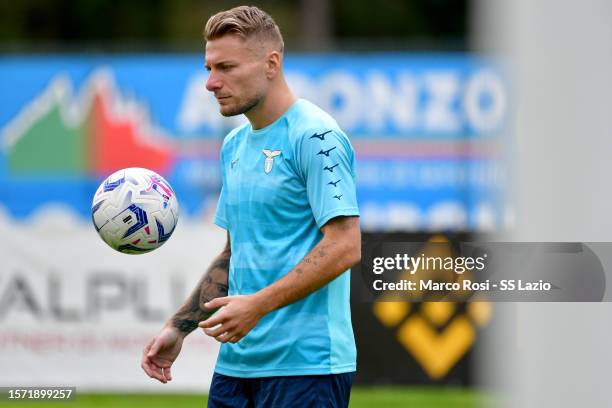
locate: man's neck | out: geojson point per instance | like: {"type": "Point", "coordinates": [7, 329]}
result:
{"type": "Point", "coordinates": [278, 100]}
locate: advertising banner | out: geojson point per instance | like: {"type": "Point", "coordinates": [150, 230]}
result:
{"type": "Point", "coordinates": [426, 131]}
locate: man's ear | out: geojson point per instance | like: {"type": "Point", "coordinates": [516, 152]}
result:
{"type": "Point", "coordinates": [273, 64]}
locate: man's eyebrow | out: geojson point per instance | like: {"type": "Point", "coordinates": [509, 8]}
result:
{"type": "Point", "coordinates": [222, 62]}
{"type": "Point", "coordinates": [207, 65]}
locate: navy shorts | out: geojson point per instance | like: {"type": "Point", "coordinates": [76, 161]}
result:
{"type": "Point", "coordinates": [303, 391]}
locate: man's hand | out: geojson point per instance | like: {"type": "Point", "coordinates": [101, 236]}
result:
{"type": "Point", "coordinates": [160, 353]}
{"type": "Point", "coordinates": [240, 314]}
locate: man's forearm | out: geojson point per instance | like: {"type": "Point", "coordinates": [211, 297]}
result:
{"type": "Point", "coordinates": [334, 254]}
{"type": "Point", "coordinates": [212, 285]}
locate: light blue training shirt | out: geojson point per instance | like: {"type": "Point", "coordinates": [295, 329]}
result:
{"type": "Point", "coordinates": [281, 184]}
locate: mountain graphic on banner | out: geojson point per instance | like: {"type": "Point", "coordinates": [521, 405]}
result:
{"type": "Point", "coordinates": [93, 133]}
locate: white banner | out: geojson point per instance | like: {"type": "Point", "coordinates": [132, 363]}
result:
{"type": "Point", "coordinates": [73, 312]}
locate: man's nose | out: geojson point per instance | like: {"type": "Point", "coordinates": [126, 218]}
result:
{"type": "Point", "coordinates": [213, 83]}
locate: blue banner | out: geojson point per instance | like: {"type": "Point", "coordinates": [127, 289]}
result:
{"type": "Point", "coordinates": [425, 128]}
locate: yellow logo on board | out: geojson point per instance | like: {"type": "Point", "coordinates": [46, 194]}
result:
{"type": "Point", "coordinates": [437, 334]}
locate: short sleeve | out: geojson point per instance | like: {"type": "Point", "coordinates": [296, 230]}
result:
{"type": "Point", "coordinates": [220, 214]}
{"type": "Point", "coordinates": [326, 162]}
{"type": "Point", "coordinates": [220, 217]}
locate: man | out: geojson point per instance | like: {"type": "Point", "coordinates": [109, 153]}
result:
{"type": "Point", "coordinates": [289, 206]}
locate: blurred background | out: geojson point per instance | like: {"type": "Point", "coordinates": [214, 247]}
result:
{"type": "Point", "coordinates": [470, 120]}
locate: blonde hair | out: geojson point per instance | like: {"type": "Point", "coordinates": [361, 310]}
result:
{"type": "Point", "coordinates": [247, 22]}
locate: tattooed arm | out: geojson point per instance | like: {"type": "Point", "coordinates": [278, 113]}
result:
{"type": "Point", "coordinates": [339, 249]}
{"type": "Point", "coordinates": [212, 285]}
{"type": "Point", "coordinates": [163, 349]}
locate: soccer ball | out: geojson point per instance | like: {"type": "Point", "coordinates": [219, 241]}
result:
{"type": "Point", "coordinates": [134, 210]}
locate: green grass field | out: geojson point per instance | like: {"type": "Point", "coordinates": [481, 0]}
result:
{"type": "Point", "coordinates": [361, 397]}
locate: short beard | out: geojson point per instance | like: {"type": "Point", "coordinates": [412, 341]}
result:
{"type": "Point", "coordinates": [244, 108]}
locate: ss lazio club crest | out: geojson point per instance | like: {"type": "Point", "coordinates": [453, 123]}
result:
{"type": "Point", "coordinates": [270, 155]}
